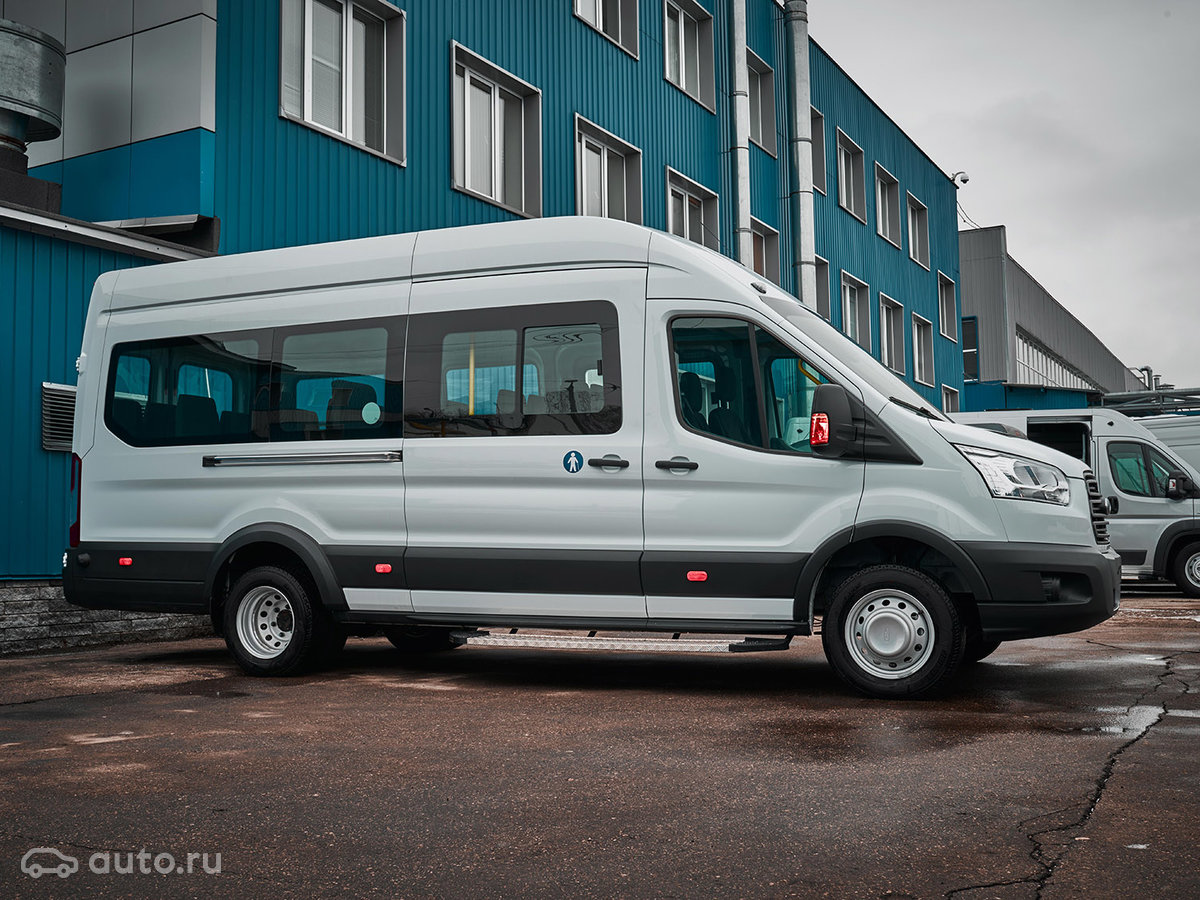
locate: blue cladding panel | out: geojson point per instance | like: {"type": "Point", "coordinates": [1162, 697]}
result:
{"type": "Point", "coordinates": [981, 396]}
{"type": "Point", "coordinates": [45, 284]}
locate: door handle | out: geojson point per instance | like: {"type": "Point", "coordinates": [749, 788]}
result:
{"type": "Point", "coordinates": [677, 464]}
{"type": "Point", "coordinates": [608, 462]}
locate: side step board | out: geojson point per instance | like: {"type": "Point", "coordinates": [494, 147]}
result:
{"type": "Point", "coordinates": [591, 642]}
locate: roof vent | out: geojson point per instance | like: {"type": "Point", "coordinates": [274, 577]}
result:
{"type": "Point", "coordinates": [32, 71]}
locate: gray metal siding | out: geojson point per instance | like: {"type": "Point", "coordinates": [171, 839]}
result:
{"type": "Point", "coordinates": [982, 255]}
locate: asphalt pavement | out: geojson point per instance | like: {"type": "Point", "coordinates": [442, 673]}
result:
{"type": "Point", "coordinates": [1060, 767]}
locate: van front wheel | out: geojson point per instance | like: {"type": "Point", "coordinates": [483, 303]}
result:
{"type": "Point", "coordinates": [270, 623]}
{"type": "Point", "coordinates": [1186, 570]}
{"type": "Point", "coordinates": [892, 632]}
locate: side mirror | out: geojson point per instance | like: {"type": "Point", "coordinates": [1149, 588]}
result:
{"type": "Point", "coordinates": [1111, 506]}
{"type": "Point", "coordinates": [831, 432]}
{"type": "Point", "coordinates": [1179, 486]}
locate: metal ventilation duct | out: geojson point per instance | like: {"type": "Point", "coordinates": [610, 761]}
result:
{"type": "Point", "coordinates": [32, 69]}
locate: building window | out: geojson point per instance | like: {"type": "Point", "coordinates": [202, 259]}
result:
{"type": "Point", "coordinates": [918, 231]}
{"type": "Point", "coordinates": [887, 205]}
{"type": "Point", "coordinates": [342, 70]}
{"type": "Point", "coordinates": [608, 174]}
{"type": "Point", "coordinates": [766, 250]}
{"type": "Point", "coordinates": [1037, 364]}
{"type": "Point", "coordinates": [949, 400]}
{"type": "Point", "coordinates": [617, 20]}
{"type": "Point", "coordinates": [922, 330]}
{"type": "Point", "coordinates": [762, 102]}
{"type": "Point", "coordinates": [691, 210]}
{"type": "Point", "coordinates": [497, 125]}
{"type": "Point", "coordinates": [970, 345]}
{"type": "Point", "coordinates": [688, 41]}
{"type": "Point", "coordinates": [851, 196]}
{"type": "Point", "coordinates": [947, 308]}
{"type": "Point", "coordinates": [823, 288]}
{"type": "Point", "coordinates": [856, 312]}
{"type": "Point", "coordinates": [891, 333]}
{"type": "Point", "coordinates": [818, 150]}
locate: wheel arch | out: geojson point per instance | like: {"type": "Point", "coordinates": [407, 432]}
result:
{"type": "Point", "coordinates": [1172, 541]}
{"type": "Point", "coordinates": [270, 543]}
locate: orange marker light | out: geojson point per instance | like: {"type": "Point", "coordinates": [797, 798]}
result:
{"type": "Point", "coordinates": [697, 575]}
{"type": "Point", "coordinates": [818, 432]}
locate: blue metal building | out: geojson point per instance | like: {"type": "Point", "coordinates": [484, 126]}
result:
{"type": "Point", "coordinates": [284, 122]}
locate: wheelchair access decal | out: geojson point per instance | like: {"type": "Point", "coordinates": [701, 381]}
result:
{"type": "Point", "coordinates": [573, 461]}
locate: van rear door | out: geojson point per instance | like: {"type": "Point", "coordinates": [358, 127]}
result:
{"type": "Point", "coordinates": [736, 502]}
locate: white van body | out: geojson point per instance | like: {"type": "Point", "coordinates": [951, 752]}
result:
{"type": "Point", "coordinates": [559, 423]}
{"type": "Point", "coordinates": [1154, 529]}
{"type": "Point", "coordinates": [1180, 433]}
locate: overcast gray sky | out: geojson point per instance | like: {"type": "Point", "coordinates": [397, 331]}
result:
{"type": "Point", "coordinates": [1078, 122]}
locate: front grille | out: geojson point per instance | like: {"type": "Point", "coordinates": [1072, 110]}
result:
{"type": "Point", "coordinates": [1096, 504]}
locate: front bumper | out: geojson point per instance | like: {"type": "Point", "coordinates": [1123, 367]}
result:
{"type": "Point", "coordinates": [1043, 589]}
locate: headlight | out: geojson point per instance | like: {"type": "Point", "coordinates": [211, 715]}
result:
{"type": "Point", "coordinates": [1018, 478]}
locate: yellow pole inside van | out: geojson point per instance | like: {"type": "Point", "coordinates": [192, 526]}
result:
{"type": "Point", "coordinates": [471, 380]}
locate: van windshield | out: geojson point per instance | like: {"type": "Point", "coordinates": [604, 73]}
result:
{"type": "Point", "coordinates": [865, 366]}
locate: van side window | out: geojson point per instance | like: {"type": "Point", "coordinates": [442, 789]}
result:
{"type": "Point", "coordinates": [339, 381]}
{"type": "Point", "coordinates": [1128, 466]}
{"type": "Point", "coordinates": [186, 390]}
{"type": "Point", "coordinates": [544, 369]}
{"type": "Point", "coordinates": [737, 382]}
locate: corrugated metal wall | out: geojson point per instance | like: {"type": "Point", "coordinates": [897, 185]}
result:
{"type": "Point", "coordinates": [849, 244]}
{"type": "Point", "coordinates": [982, 254]}
{"type": "Point", "coordinates": [46, 283]}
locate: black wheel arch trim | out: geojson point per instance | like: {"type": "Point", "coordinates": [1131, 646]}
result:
{"type": "Point", "coordinates": [1175, 536]}
{"type": "Point", "coordinates": [290, 538]}
{"type": "Point", "coordinates": [811, 574]}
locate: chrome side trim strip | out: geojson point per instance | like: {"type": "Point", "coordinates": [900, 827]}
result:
{"type": "Point", "coordinates": [304, 459]}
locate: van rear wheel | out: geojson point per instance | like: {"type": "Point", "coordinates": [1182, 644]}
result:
{"type": "Point", "coordinates": [1186, 570]}
{"type": "Point", "coordinates": [893, 632]}
{"type": "Point", "coordinates": [271, 625]}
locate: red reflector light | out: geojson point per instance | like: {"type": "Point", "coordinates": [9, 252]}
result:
{"type": "Point", "coordinates": [383, 568]}
{"type": "Point", "coordinates": [125, 561]}
{"type": "Point", "coordinates": [818, 432]}
{"type": "Point", "coordinates": [697, 576]}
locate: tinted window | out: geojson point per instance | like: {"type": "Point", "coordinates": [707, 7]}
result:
{"type": "Point", "coordinates": [542, 369]}
{"type": "Point", "coordinates": [1128, 466]}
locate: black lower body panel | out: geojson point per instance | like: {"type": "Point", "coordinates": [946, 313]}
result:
{"type": "Point", "coordinates": [1044, 589]}
{"type": "Point", "coordinates": [166, 578]}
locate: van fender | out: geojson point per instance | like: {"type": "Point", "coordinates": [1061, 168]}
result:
{"type": "Point", "coordinates": [292, 539]}
{"type": "Point", "coordinates": [1175, 535]}
{"type": "Point", "coordinates": [813, 569]}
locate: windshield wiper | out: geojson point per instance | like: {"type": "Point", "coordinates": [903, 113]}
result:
{"type": "Point", "coordinates": [919, 410]}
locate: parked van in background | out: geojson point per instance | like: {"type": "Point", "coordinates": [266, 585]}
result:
{"type": "Point", "coordinates": [567, 423]}
{"type": "Point", "coordinates": [1149, 489]}
{"type": "Point", "coordinates": [1180, 433]}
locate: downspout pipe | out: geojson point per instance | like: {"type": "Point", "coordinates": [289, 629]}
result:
{"type": "Point", "coordinates": [800, 201]}
{"type": "Point", "coordinates": [743, 231]}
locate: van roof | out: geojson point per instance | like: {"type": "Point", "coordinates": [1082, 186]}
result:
{"type": "Point", "coordinates": [517, 246]}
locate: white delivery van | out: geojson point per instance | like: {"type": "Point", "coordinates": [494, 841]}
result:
{"type": "Point", "coordinates": [1150, 491]}
{"type": "Point", "coordinates": [557, 424]}
{"type": "Point", "coordinates": [1179, 432]}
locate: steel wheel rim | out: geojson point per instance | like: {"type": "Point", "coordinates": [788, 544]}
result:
{"type": "Point", "coordinates": [265, 622]}
{"type": "Point", "coordinates": [1191, 570]}
{"type": "Point", "coordinates": [889, 634]}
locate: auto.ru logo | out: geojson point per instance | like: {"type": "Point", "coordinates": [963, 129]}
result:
{"type": "Point", "coordinates": [46, 860]}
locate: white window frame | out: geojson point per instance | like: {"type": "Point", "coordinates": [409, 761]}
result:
{"type": "Point", "coordinates": [919, 352]}
{"type": "Point", "coordinates": [817, 123]}
{"type": "Point", "coordinates": [768, 238]}
{"type": "Point", "coordinates": [678, 183]}
{"type": "Point", "coordinates": [689, 11]}
{"type": "Point", "coordinates": [598, 15]}
{"type": "Point", "coordinates": [497, 79]}
{"type": "Point", "coordinates": [395, 60]}
{"type": "Point", "coordinates": [948, 394]}
{"type": "Point", "coordinates": [761, 78]}
{"type": "Point", "coordinates": [862, 309]}
{"type": "Point", "coordinates": [891, 330]}
{"type": "Point", "coordinates": [918, 232]}
{"type": "Point", "coordinates": [590, 133]}
{"type": "Point", "coordinates": [823, 299]}
{"type": "Point", "coordinates": [887, 205]}
{"type": "Point", "coordinates": [852, 190]}
{"type": "Point", "coordinates": [947, 318]}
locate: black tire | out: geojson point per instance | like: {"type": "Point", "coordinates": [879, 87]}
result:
{"type": "Point", "coordinates": [419, 638]}
{"type": "Point", "coordinates": [893, 612]}
{"type": "Point", "coordinates": [1185, 570]}
{"type": "Point", "coordinates": [272, 626]}
{"type": "Point", "coordinates": [978, 647]}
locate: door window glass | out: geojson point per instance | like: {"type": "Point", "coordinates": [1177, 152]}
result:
{"type": "Point", "coordinates": [789, 382]}
{"type": "Point", "coordinates": [1128, 467]}
{"type": "Point", "coordinates": [1160, 471]}
{"type": "Point", "coordinates": [714, 378]}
